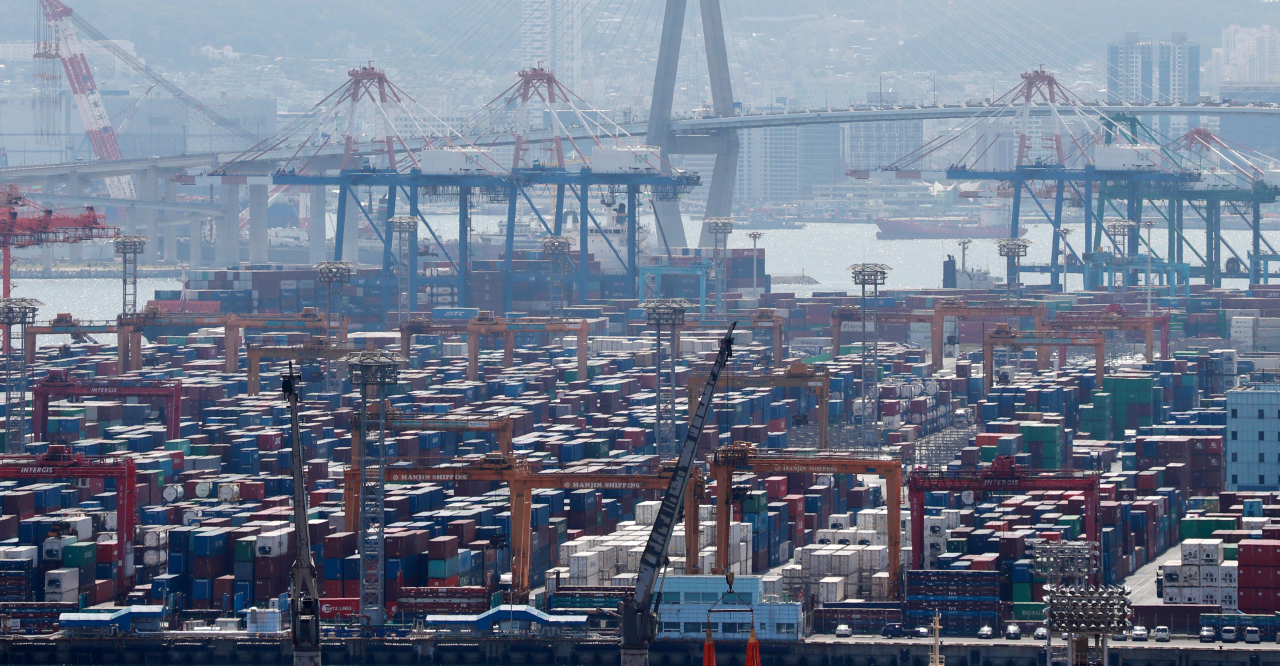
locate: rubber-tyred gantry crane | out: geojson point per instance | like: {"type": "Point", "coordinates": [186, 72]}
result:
{"type": "Point", "coordinates": [315, 348]}
{"type": "Point", "coordinates": [64, 324]}
{"type": "Point", "coordinates": [487, 324]}
{"type": "Point", "coordinates": [1116, 319]}
{"type": "Point", "coordinates": [59, 384]}
{"type": "Point", "coordinates": [797, 375]}
{"type": "Point", "coordinates": [960, 310]}
{"type": "Point", "coordinates": [1043, 341]}
{"type": "Point", "coordinates": [744, 456]}
{"type": "Point", "coordinates": [1003, 476]}
{"type": "Point", "coordinates": [60, 463]}
{"type": "Point", "coordinates": [501, 426]}
{"type": "Point", "coordinates": [131, 327]}
{"type": "Point", "coordinates": [521, 482]}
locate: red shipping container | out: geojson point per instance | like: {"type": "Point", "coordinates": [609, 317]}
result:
{"type": "Point", "coordinates": [332, 589]}
{"type": "Point", "coordinates": [252, 490]}
{"type": "Point", "coordinates": [1260, 552]}
{"type": "Point", "coordinates": [108, 551]}
{"type": "Point", "coordinates": [451, 581]}
{"type": "Point", "coordinates": [351, 588]}
{"type": "Point", "coordinates": [442, 548]}
{"type": "Point", "coordinates": [270, 440]}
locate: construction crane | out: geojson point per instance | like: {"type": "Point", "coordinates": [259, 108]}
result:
{"type": "Point", "coordinates": [745, 456]}
{"type": "Point", "coordinates": [67, 48]}
{"type": "Point", "coordinates": [1002, 476]}
{"type": "Point", "coordinates": [25, 223]}
{"type": "Point", "coordinates": [304, 595]}
{"type": "Point", "coordinates": [637, 617]}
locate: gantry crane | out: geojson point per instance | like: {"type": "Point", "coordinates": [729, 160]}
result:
{"type": "Point", "coordinates": [761, 319]}
{"type": "Point", "coordinates": [487, 324]}
{"type": "Point", "coordinates": [60, 463]}
{"type": "Point", "coordinates": [1043, 341]}
{"type": "Point", "coordinates": [304, 590]}
{"type": "Point", "coordinates": [521, 482]}
{"type": "Point", "coordinates": [637, 620]}
{"type": "Point", "coordinates": [59, 384]}
{"type": "Point", "coordinates": [64, 324]}
{"type": "Point", "coordinates": [850, 313]}
{"type": "Point", "coordinates": [744, 456]}
{"type": "Point", "coordinates": [315, 348]}
{"type": "Point", "coordinates": [960, 310]}
{"type": "Point", "coordinates": [25, 223]}
{"type": "Point", "coordinates": [1002, 476]}
{"type": "Point", "coordinates": [131, 326]}
{"type": "Point", "coordinates": [797, 375]}
{"type": "Point", "coordinates": [396, 421]}
{"type": "Point", "coordinates": [1116, 319]}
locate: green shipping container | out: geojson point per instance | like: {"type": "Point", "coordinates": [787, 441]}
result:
{"type": "Point", "coordinates": [80, 554]}
{"type": "Point", "coordinates": [1028, 611]}
{"type": "Point", "coordinates": [246, 548]}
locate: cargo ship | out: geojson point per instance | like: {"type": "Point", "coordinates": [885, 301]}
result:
{"type": "Point", "coordinates": [991, 223]}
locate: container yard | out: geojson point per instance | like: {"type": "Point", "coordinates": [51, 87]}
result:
{"type": "Point", "coordinates": [132, 509]}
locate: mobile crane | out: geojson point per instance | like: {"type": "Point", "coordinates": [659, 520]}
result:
{"type": "Point", "coordinates": [637, 618]}
{"type": "Point", "coordinates": [304, 592]}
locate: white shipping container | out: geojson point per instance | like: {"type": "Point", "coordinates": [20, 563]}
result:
{"type": "Point", "coordinates": [1192, 595]}
{"type": "Point", "coordinates": [1229, 598]}
{"type": "Point", "coordinates": [585, 563]}
{"type": "Point", "coordinates": [1209, 575]}
{"type": "Point", "coordinates": [952, 518]}
{"type": "Point", "coordinates": [880, 586]}
{"type": "Point", "coordinates": [1190, 551]}
{"type": "Point", "coordinates": [81, 526]}
{"type": "Point", "coordinates": [1211, 552]}
{"type": "Point", "coordinates": [1229, 574]}
{"type": "Point", "coordinates": [272, 544]}
{"type": "Point", "coordinates": [1190, 574]}
{"type": "Point", "coordinates": [839, 521]}
{"type": "Point", "coordinates": [874, 559]}
{"type": "Point", "coordinates": [59, 580]}
{"type": "Point", "coordinates": [1173, 595]}
{"type": "Point", "coordinates": [21, 553]}
{"type": "Point", "coordinates": [647, 512]}
{"type": "Point", "coordinates": [1209, 595]}
{"type": "Point", "coordinates": [1172, 573]}
{"type": "Point", "coordinates": [831, 589]}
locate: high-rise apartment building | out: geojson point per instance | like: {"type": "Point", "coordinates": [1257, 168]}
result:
{"type": "Point", "coordinates": [1179, 69]}
{"type": "Point", "coordinates": [1130, 70]}
{"type": "Point", "coordinates": [551, 37]}
{"type": "Point", "coordinates": [1247, 55]}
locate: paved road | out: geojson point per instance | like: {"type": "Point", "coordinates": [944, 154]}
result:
{"type": "Point", "coordinates": [1143, 581]}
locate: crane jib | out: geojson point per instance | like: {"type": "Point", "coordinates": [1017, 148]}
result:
{"type": "Point", "coordinates": [656, 548]}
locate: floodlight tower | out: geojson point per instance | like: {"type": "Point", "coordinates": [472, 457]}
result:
{"type": "Point", "coordinates": [755, 237]}
{"type": "Point", "coordinates": [373, 372]}
{"type": "Point", "coordinates": [720, 228]}
{"type": "Point", "coordinates": [666, 314]}
{"type": "Point", "coordinates": [15, 315]}
{"type": "Point", "coordinates": [1013, 250]}
{"type": "Point", "coordinates": [404, 227]}
{"type": "Point", "coordinates": [557, 248]}
{"type": "Point", "coordinates": [129, 247]}
{"type": "Point", "coordinates": [333, 273]}
{"type": "Point", "coordinates": [869, 275]}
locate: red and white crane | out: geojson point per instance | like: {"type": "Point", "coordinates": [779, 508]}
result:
{"type": "Point", "coordinates": [67, 48]}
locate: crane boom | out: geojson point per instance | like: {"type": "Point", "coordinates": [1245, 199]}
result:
{"type": "Point", "coordinates": [102, 136]}
{"type": "Point", "coordinates": [304, 597]}
{"type": "Point", "coordinates": [637, 620]}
